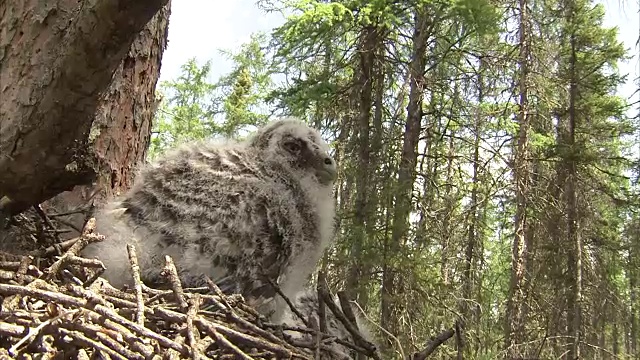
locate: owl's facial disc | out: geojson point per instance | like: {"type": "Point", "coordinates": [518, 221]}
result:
{"type": "Point", "coordinates": [305, 154]}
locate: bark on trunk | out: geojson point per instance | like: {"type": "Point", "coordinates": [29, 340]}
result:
{"type": "Point", "coordinates": [56, 61]}
{"type": "Point", "coordinates": [633, 269]}
{"type": "Point", "coordinates": [574, 260]}
{"type": "Point", "coordinates": [515, 319]}
{"type": "Point", "coordinates": [408, 161]}
{"type": "Point", "coordinates": [363, 91]}
{"type": "Point", "coordinates": [471, 252]}
{"type": "Point", "coordinates": [120, 134]}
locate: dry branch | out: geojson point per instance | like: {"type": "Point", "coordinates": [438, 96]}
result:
{"type": "Point", "coordinates": [92, 318]}
{"type": "Point", "coordinates": [433, 344]}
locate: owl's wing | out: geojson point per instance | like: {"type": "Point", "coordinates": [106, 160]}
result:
{"type": "Point", "coordinates": [268, 254]}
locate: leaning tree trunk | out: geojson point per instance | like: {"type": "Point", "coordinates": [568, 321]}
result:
{"type": "Point", "coordinates": [58, 120]}
{"type": "Point", "coordinates": [120, 134]}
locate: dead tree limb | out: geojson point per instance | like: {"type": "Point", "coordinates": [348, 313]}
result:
{"type": "Point", "coordinates": [433, 344]}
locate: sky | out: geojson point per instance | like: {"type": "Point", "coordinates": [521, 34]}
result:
{"type": "Point", "coordinates": [200, 28]}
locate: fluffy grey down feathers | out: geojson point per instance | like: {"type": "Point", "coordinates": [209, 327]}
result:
{"type": "Point", "coordinates": [232, 211]}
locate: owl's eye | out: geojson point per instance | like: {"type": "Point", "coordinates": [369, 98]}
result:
{"type": "Point", "coordinates": [293, 147]}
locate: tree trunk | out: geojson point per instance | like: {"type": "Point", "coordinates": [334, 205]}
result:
{"type": "Point", "coordinates": [633, 269]}
{"type": "Point", "coordinates": [515, 321]}
{"type": "Point", "coordinates": [574, 259]}
{"type": "Point", "coordinates": [56, 61]}
{"type": "Point", "coordinates": [471, 252]}
{"type": "Point", "coordinates": [408, 161]}
{"type": "Point", "coordinates": [363, 94]}
{"type": "Point", "coordinates": [120, 134]}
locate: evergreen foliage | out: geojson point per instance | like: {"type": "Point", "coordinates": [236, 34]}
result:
{"type": "Point", "coordinates": [520, 219]}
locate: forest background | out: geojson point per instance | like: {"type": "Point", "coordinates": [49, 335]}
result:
{"type": "Point", "coordinates": [489, 150]}
{"type": "Point", "coordinates": [488, 154]}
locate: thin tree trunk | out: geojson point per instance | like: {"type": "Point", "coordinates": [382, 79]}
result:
{"type": "Point", "coordinates": [363, 91]}
{"type": "Point", "coordinates": [515, 320]}
{"type": "Point", "coordinates": [574, 260]}
{"type": "Point", "coordinates": [473, 227]}
{"type": "Point", "coordinates": [616, 343]}
{"type": "Point", "coordinates": [408, 161]}
{"type": "Point", "coordinates": [633, 266]}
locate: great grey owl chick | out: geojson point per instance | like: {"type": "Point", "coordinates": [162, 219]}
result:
{"type": "Point", "coordinates": [306, 302]}
{"type": "Point", "coordinates": [230, 211]}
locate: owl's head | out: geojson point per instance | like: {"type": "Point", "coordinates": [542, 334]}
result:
{"type": "Point", "coordinates": [291, 142]}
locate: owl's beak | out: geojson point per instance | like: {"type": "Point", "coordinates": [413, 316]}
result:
{"type": "Point", "coordinates": [327, 177]}
{"type": "Point", "coordinates": [328, 172]}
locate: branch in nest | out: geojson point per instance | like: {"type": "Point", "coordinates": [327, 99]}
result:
{"type": "Point", "coordinates": [171, 272]}
{"type": "Point", "coordinates": [55, 248]}
{"type": "Point", "coordinates": [135, 270]}
{"type": "Point", "coordinates": [101, 309]}
{"type": "Point", "coordinates": [370, 349]}
{"type": "Point", "coordinates": [288, 301]}
{"type": "Point", "coordinates": [192, 334]}
{"type": "Point", "coordinates": [47, 221]}
{"type": "Point", "coordinates": [87, 237]}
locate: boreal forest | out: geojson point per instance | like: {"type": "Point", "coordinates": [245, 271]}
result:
{"type": "Point", "coordinates": [487, 194]}
{"type": "Point", "coordinates": [488, 165]}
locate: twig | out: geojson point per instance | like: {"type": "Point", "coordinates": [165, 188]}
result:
{"type": "Point", "coordinates": [84, 262]}
{"type": "Point", "coordinates": [68, 275]}
{"type": "Point", "coordinates": [10, 275]}
{"type": "Point", "coordinates": [47, 221]}
{"type": "Point", "coordinates": [135, 270]}
{"type": "Point", "coordinates": [212, 328]}
{"type": "Point", "coordinates": [86, 238]}
{"type": "Point", "coordinates": [33, 333]}
{"type": "Point", "coordinates": [8, 329]}
{"type": "Point", "coordinates": [55, 248]}
{"type": "Point", "coordinates": [324, 347]}
{"type": "Point", "coordinates": [289, 303]}
{"type": "Point", "coordinates": [80, 337]}
{"type": "Point", "coordinates": [322, 311]}
{"type": "Point", "coordinates": [347, 310]}
{"type": "Point", "coordinates": [223, 342]}
{"type": "Point", "coordinates": [370, 348]}
{"type": "Point", "coordinates": [172, 273]}
{"type": "Point", "coordinates": [113, 327]}
{"type": "Point", "coordinates": [71, 212]}
{"type": "Point", "coordinates": [192, 337]}
{"type": "Point", "coordinates": [395, 338]}
{"type": "Point", "coordinates": [216, 290]}
{"type": "Point", "coordinates": [97, 333]}
{"type": "Point", "coordinates": [22, 269]}
{"type": "Point", "coordinates": [100, 309]}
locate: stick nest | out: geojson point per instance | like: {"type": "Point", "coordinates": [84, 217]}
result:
{"type": "Point", "coordinates": [55, 305]}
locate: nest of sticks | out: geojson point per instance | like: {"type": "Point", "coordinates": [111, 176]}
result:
{"type": "Point", "coordinates": [55, 305]}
